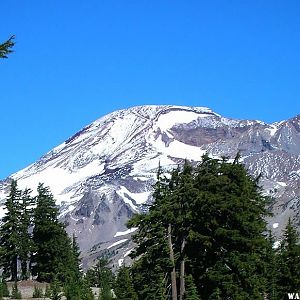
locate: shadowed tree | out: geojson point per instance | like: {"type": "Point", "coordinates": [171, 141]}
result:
{"type": "Point", "coordinates": [6, 47]}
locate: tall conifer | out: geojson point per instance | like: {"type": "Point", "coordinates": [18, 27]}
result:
{"type": "Point", "coordinates": [10, 233]}
{"type": "Point", "coordinates": [53, 255]}
{"type": "Point", "coordinates": [288, 279]}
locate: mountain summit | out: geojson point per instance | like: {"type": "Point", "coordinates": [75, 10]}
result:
{"type": "Point", "coordinates": [104, 173]}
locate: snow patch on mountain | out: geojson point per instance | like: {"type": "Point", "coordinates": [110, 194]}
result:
{"type": "Point", "coordinates": [117, 243]}
{"type": "Point", "coordinates": [121, 233]}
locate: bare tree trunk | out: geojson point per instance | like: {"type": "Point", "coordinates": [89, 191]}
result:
{"type": "Point", "coordinates": [182, 271]}
{"type": "Point", "coordinates": [173, 273]}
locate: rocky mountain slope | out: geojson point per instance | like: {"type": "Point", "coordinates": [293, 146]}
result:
{"type": "Point", "coordinates": [104, 173]}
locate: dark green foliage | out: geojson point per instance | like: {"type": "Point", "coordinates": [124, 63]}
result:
{"type": "Point", "coordinates": [150, 271]}
{"type": "Point", "coordinates": [72, 290]}
{"type": "Point", "coordinates": [105, 291]}
{"type": "Point", "coordinates": [271, 260]}
{"type": "Point", "coordinates": [10, 233]}
{"type": "Point", "coordinates": [37, 292]}
{"type": "Point", "coordinates": [191, 292]}
{"type": "Point", "coordinates": [25, 240]}
{"type": "Point", "coordinates": [77, 289]}
{"type": "Point", "coordinates": [54, 254]}
{"type": "Point", "coordinates": [16, 243]}
{"type": "Point", "coordinates": [55, 290]}
{"type": "Point", "coordinates": [86, 291]}
{"type": "Point", "coordinates": [100, 274]}
{"type": "Point", "coordinates": [15, 293]}
{"type": "Point", "coordinates": [6, 47]}
{"type": "Point", "coordinates": [75, 258]}
{"type": "Point", "coordinates": [124, 289]}
{"type": "Point", "coordinates": [47, 291]}
{"type": "Point", "coordinates": [217, 215]}
{"type": "Point", "coordinates": [4, 289]}
{"type": "Point", "coordinates": [289, 262]}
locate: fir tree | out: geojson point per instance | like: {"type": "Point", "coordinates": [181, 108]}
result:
{"type": "Point", "coordinates": [10, 233]}
{"type": "Point", "coordinates": [76, 261]}
{"type": "Point", "coordinates": [4, 288]}
{"type": "Point", "coordinates": [271, 269]}
{"type": "Point", "coordinates": [6, 47]}
{"type": "Point", "coordinates": [55, 289]}
{"type": "Point", "coordinates": [124, 289]}
{"type": "Point", "coordinates": [288, 279]}
{"type": "Point", "coordinates": [227, 232]}
{"type": "Point", "coordinates": [191, 292]}
{"type": "Point", "coordinates": [26, 245]}
{"type": "Point", "coordinates": [216, 213]}
{"type": "Point", "coordinates": [100, 274]}
{"type": "Point", "coordinates": [86, 291]}
{"type": "Point", "coordinates": [152, 253]}
{"type": "Point", "coordinates": [54, 256]}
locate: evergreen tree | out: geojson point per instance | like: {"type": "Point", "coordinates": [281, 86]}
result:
{"type": "Point", "coordinates": [26, 246]}
{"type": "Point", "coordinates": [227, 232]}
{"type": "Point", "coordinates": [54, 256]}
{"type": "Point", "coordinates": [191, 292]}
{"type": "Point", "coordinates": [271, 272]}
{"type": "Point", "coordinates": [100, 274]}
{"type": "Point", "coordinates": [124, 289]}
{"type": "Point", "coordinates": [216, 213]}
{"type": "Point", "coordinates": [55, 289]}
{"type": "Point", "coordinates": [77, 289]}
{"type": "Point", "coordinates": [152, 254]}
{"type": "Point", "coordinates": [4, 288]}
{"type": "Point", "coordinates": [86, 291]}
{"type": "Point", "coordinates": [76, 261]}
{"type": "Point", "coordinates": [289, 262]}
{"type": "Point", "coordinates": [6, 47]}
{"type": "Point", "coordinates": [10, 233]}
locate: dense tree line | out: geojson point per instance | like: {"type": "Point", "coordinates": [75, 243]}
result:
{"type": "Point", "coordinates": [34, 244]}
{"type": "Point", "coordinates": [32, 237]}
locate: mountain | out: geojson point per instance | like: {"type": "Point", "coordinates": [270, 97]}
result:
{"type": "Point", "coordinates": [104, 173]}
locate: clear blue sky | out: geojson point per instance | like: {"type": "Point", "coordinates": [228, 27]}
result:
{"type": "Point", "coordinates": [77, 60]}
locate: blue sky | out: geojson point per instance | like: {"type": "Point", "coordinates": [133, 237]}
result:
{"type": "Point", "coordinates": [75, 61]}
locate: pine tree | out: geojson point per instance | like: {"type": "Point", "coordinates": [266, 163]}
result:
{"type": "Point", "coordinates": [76, 261]}
{"type": "Point", "coordinates": [124, 289]}
{"type": "Point", "coordinates": [86, 291]}
{"type": "Point", "coordinates": [288, 279]}
{"type": "Point", "coordinates": [227, 232]}
{"type": "Point", "coordinates": [6, 47]}
{"type": "Point", "coordinates": [4, 288]}
{"type": "Point", "coordinates": [152, 255]}
{"type": "Point", "coordinates": [99, 273]}
{"type": "Point", "coordinates": [10, 233]}
{"type": "Point", "coordinates": [216, 213]}
{"type": "Point", "coordinates": [26, 246]}
{"type": "Point", "coordinates": [191, 292]}
{"type": "Point", "coordinates": [271, 271]}
{"type": "Point", "coordinates": [54, 256]}
{"type": "Point", "coordinates": [55, 289]}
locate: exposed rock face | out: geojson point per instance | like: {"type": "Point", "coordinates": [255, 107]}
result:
{"type": "Point", "coordinates": [105, 172]}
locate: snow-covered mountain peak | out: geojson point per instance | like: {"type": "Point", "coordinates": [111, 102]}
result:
{"type": "Point", "coordinates": [104, 173]}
